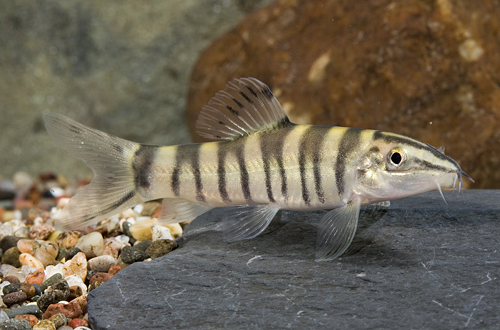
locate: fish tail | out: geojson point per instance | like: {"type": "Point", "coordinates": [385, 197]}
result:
{"type": "Point", "coordinates": [113, 160]}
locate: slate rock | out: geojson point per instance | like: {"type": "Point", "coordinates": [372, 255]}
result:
{"type": "Point", "coordinates": [333, 62]}
{"type": "Point", "coordinates": [422, 264]}
{"type": "Point", "coordinates": [130, 255]}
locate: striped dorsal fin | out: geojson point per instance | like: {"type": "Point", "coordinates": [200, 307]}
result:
{"type": "Point", "coordinates": [245, 106]}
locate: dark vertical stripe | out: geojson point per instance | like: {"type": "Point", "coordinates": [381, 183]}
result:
{"type": "Point", "coordinates": [188, 156]}
{"type": "Point", "coordinates": [195, 166]}
{"type": "Point", "coordinates": [141, 165]}
{"type": "Point", "coordinates": [348, 143]}
{"type": "Point", "coordinates": [244, 178]}
{"type": "Point", "coordinates": [174, 182]}
{"type": "Point", "coordinates": [302, 168]}
{"type": "Point", "coordinates": [271, 145]}
{"type": "Point", "coordinates": [221, 172]}
{"type": "Point", "coordinates": [310, 151]}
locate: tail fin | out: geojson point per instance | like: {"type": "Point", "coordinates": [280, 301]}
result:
{"type": "Point", "coordinates": [113, 187]}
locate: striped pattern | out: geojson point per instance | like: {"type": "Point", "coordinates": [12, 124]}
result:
{"type": "Point", "coordinates": [291, 167]}
{"type": "Point", "coordinates": [294, 167]}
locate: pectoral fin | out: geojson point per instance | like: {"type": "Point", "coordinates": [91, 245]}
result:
{"type": "Point", "coordinates": [336, 231]}
{"type": "Point", "coordinates": [245, 222]}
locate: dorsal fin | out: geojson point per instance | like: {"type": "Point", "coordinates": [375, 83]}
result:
{"type": "Point", "coordinates": [245, 106]}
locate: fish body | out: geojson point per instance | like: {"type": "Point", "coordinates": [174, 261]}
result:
{"type": "Point", "coordinates": [261, 164]}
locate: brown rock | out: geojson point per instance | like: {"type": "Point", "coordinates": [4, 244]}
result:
{"type": "Point", "coordinates": [11, 279]}
{"type": "Point", "coordinates": [32, 319]}
{"type": "Point", "coordinates": [28, 289]}
{"type": "Point", "coordinates": [74, 291]}
{"type": "Point", "coordinates": [70, 310]}
{"type": "Point", "coordinates": [100, 277]}
{"type": "Point", "coordinates": [427, 69]}
{"type": "Point", "coordinates": [113, 270]}
{"type": "Point", "coordinates": [14, 298]}
{"type": "Point", "coordinates": [74, 323]}
{"type": "Point", "coordinates": [68, 239]}
{"type": "Point", "coordinates": [36, 277]}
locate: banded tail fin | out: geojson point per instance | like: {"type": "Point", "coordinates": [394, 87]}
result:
{"type": "Point", "coordinates": [113, 188]}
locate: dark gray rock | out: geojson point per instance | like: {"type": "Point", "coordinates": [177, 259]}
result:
{"type": "Point", "coordinates": [53, 294]}
{"type": "Point", "coordinates": [420, 265]}
{"type": "Point", "coordinates": [15, 324]}
{"type": "Point", "coordinates": [26, 309]}
{"type": "Point", "coordinates": [130, 255]}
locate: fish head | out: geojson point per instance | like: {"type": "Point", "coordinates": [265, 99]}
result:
{"type": "Point", "coordinates": [395, 166]}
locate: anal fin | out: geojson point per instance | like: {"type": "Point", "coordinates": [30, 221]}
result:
{"type": "Point", "coordinates": [245, 222]}
{"type": "Point", "coordinates": [336, 231]}
{"type": "Point", "coordinates": [174, 210]}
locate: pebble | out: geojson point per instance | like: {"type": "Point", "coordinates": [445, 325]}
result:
{"type": "Point", "coordinates": [53, 294]}
{"type": "Point", "coordinates": [161, 247]}
{"type": "Point", "coordinates": [11, 257]}
{"type": "Point", "coordinates": [91, 243]}
{"type": "Point", "coordinates": [9, 241]}
{"type": "Point", "coordinates": [126, 229]}
{"type": "Point", "coordinates": [29, 289]}
{"type": "Point", "coordinates": [113, 270]}
{"type": "Point", "coordinates": [75, 280]}
{"type": "Point", "coordinates": [68, 239]}
{"type": "Point", "coordinates": [82, 328]}
{"type": "Point", "coordinates": [113, 245]}
{"type": "Point", "coordinates": [36, 277]}
{"type": "Point", "coordinates": [59, 320]}
{"type": "Point", "coordinates": [3, 316]}
{"type": "Point", "coordinates": [41, 231]}
{"type": "Point", "coordinates": [100, 277]}
{"type": "Point", "coordinates": [14, 298]}
{"type": "Point", "coordinates": [45, 325]}
{"type": "Point", "coordinates": [67, 254]}
{"type": "Point", "coordinates": [44, 251]}
{"type": "Point", "coordinates": [76, 322]}
{"type": "Point", "coordinates": [27, 259]}
{"type": "Point", "coordinates": [102, 263]}
{"type": "Point", "coordinates": [76, 266]}
{"type": "Point", "coordinates": [51, 280]}
{"type": "Point", "coordinates": [32, 319]}
{"type": "Point", "coordinates": [141, 230]}
{"type": "Point", "coordinates": [25, 309]}
{"type": "Point", "coordinates": [130, 255]}
{"type": "Point", "coordinates": [160, 232]}
{"type": "Point", "coordinates": [11, 279]}
{"type": "Point", "coordinates": [142, 245]}
{"type": "Point", "coordinates": [70, 310]}
{"type": "Point", "coordinates": [16, 324]}
{"type": "Point", "coordinates": [52, 270]}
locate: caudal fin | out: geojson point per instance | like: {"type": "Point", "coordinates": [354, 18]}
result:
{"type": "Point", "coordinates": [113, 187]}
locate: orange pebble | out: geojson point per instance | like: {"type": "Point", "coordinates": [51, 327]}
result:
{"type": "Point", "coordinates": [36, 277]}
{"type": "Point", "coordinates": [32, 319]}
{"type": "Point", "coordinates": [113, 270]}
{"type": "Point", "coordinates": [78, 323]}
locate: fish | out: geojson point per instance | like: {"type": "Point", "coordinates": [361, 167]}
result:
{"type": "Point", "coordinates": [259, 163]}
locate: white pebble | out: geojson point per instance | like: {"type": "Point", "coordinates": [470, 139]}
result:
{"type": "Point", "coordinates": [160, 232]}
{"type": "Point", "coordinates": [51, 270]}
{"type": "Point", "coordinates": [122, 238]}
{"type": "Point", "coordinates": [18, 215]}
{"type": "Point", "coordinates": [62, 202]}
{"type": "Point", "coordinates": [82, 328]}
{"type": "Point", "coordinates": [38, 221]}
{"type": "Point", "coordinates": [57, 192]}
{"type": "Point", "coordinates": [75, 280]}
{"type": "Point", "coordinates": [3, 316]}
{"type": "Point", "coordinates": [138, 208]}
{"type": "Point", "coordinates": [102, 263]}
{"type": "Point", "coordinates": [91, 243]}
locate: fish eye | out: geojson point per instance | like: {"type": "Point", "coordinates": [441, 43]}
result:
{"type": "Point", "coordinates": [397, 157]}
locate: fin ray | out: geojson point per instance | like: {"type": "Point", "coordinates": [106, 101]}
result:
{"type": "Point", "coordinates": [245, 106]}
{"type": "Point", "coordinates": [336, 231]}
{"type": "Point", "coordinates": [246, 222]}
{"type": "Point", "coordinates": [112, 189]}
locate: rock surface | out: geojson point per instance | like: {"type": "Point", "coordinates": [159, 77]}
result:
{"type": "Point", "coordinates": [120, 66]}
{"type": "Point", "coordinates": [421, 265]}
{"type": "Point", "coordinates": [427, 69]}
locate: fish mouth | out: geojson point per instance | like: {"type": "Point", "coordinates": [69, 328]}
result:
{"type": "Point", "coordinates": [458, 179]}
